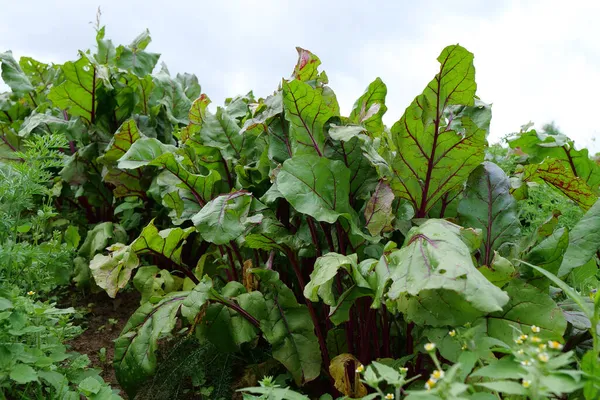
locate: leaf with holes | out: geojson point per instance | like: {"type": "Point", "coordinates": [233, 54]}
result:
{"type": "Point", "coordinates": [112, 272]}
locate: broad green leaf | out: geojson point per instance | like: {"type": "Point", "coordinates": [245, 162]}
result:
{"type": "Point", "coordinates": [268, 235]}
{"type": "Point", "coordinates": [558, 174]}
{"type": "Point", "coordinates": [500, 271]}
{"type": "Point", "coordinates": [166, 244]}
{"type": "Point", "coordinates": [315, 186]}
{"type": "Point", "coordinates": [226, 217]}
{"type": "Point", "coordinates": [584, 241]}
{"type": "Point", "coordinates": [72, 237]}
{"type": "Point", "coordinates": [40, 75]}
{"type": "Point", "coordinates": [307, 112]}
{"type": "Point", "coordinates": [488, 205]}
{"type": "Point", "coordinates": [152, 281]}
{"type": "Point", "coordinates": [125, 183]}
{"type": "Point", "coordinates": [549, 253]}
{"type": "Point", "coordinates": [144, 151]}
{"type": "Point", "coordinates": [289, 329]}
{"type": "Point", "coordinates": [505, 368]}
{"type": "Point", "coordinates": [13, 75]}
{"type": "Point", "coordinates": [79, 92]}
{"type": "Point", "coordinates": [112, 272]}
{"type": "Point", "coordinates": [222, 131]}
{"type": "Point", "coordinates": [370, 107]}
{"type": "Point", "coordinates": [591, 366]}
{"type": "Point", "coordinates": [435, 258]}
{"type": "Point", "coordinates": [133, 57]}
{"type": "Point", "coordinates": [22, 374]}
{"type": "Point", "coordinates": [49, 124]}
{"type": "Point", "coordinates": [508, 387]}
{"type": "Point", "coordinates": [441, 136]}
{"type": "Point", "coordinates": [135, 349]}
{"type": "Point", "coordinates": [98, 238]}
{"type": "Point", "coordinates": [539, 146]}
{"type": "Point", "coordinates": [196, 299]}
{"type": "Point", "coordinates": [321, 279]}
{"type": "Point", "coordinates": [340, 312]}
{"type": "Point", "coordinates": [527, 306]}
{"type": "Point", "coordinates": [378, 212]}
{"type": "Point", "coordinates": [124, 137]}
{"type": "Point", "coordinates": [190, 85]}
{"type": "Point", "coordinates": [170, 94]}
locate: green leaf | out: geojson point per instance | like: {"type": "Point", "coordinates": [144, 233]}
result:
{"type": "Point", "coordinates": [152, 281]}
{"type": "Point", "coordinates": [226, 217]}
{"type": "Point", "coordinates": [289, 329]}
{"type": "Point", "coordinates": [22, 374]}
{"type": "Point", "coordinates": [144, 151]}
{"type": "Point", "coordinates": [307, 112]}
{"type": "Point", "coordinates": [307, 65]}
{"type": "Point", "coordinates": [72, 237]}
{"type": "Point", "coordinates": [5, 304]}
{"type": "Point", "coordinates": [369, 108]}
{"type": "Point", "coordinates": [79, 92]}
{"type": "Point", "coordinates": [591, 366]}
{"type": "Point", "coordinates": [321, 279]}
{"type": "Point", "coordinates": [378, 212]}
{"type": "Point", "coordinates": [133, 57]}
{"type": "Point", "coordinates": [539, 146]}
{"type": "Point", "coordinates": [435, 258]}
{"type": "Point", "coordinates": [13, 75]}
{"type": "Point", "coordinates": [441, 136]}
{"type": "Point", "coordinates": [135, 349]}
{"type": "Point", "coordinates": [315, 186]}
{"type": "Point", "coordinates": [558, 174]}
{"type": "Point", "coordinates": [505, 368]}
{"type": "Point", "coordinates": [222, 131]}
{"type": "Point", "coordinates": [113, 272]}
{"type": "Point", "coordinates": [584, 241]}
{"type": "Point", "coordinates": [122, 140]}
{"type": "Point", "coordinates": [98, 238]}
{"type": "Point", "coordinates": [549, 253]}
{"type": "Point", "coordinates": [508, 387]}
{"type": "Point", "coordinates": [340, 312]}
{"type": "Point", "coordinates": [166, 244]}
{"type": "Point", "coordinates": [488, 205]}
{"type": "Point", "coordinates": [170, 94]}
{"type": "Point", "coordinates": [527, 306]}
{"type": "Point", "coordinates": [90, 386]}
{"type": "Point", "coordinates": [500, 272]}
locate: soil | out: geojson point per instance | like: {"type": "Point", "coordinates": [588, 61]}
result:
{"type": "Point", "coordinates": [100, 332]}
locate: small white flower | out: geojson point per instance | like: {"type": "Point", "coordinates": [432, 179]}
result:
{"type": "Point", "coordinates": [429, 384]}
{"type": "Point", "coordinates": [553, 344]}
{"type": "Point", "coordinates": [360, 369]}
{"type": "Point", "coordinates": [543, 357]}
{"type": "Point", "coordinates": [452, 333]}
{"type": "Point", "coordinates": [535, 329]}
{"type": "Point", "coordinates": [437, 375]}
{"type": "Point", "coordinates": [389, 396]}
{"type": "Point", "coordinates": [30, 293]}
{"type": "Point", "coordinates": [430, 346]}
{"type": "Point", "coordinates": [526, 383]}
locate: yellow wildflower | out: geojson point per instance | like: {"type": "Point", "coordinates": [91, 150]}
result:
{"type": "Point", "coordinates": [437, 374]}
{"type": "Point", "coordinates": [553, 344]}
{"type": "Point", "coordinates": [389, 396]}
{"type": "Point", "coordinates": [360, 369]}
{"type": "Point", "coordinates": [429, 384]}
{"type": "Point", "coordinates": [526, 383]}
{"type": "Point", "coordinates": [452, 333]}
{"type": "Point", "coordinates": [31, 293]}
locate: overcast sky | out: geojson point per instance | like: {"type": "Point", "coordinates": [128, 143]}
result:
{"type": "Point", "coordinates": [534, 60]}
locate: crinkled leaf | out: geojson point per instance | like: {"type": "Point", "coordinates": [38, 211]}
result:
{"type": "Point", "coordinates": [441, 136]}
{"type": "Point", "coordinates": [436, 258]}
{"type": "Point", "coordinates": [167, 243]}
{"type": "Point", "coordinates": [289, 329]}
{"type": "Point", "coordinates": [152, 281]}
{"type": "Point", "coordinates": [315, 186]}
{"type": "Point", "coordinates": [558, 174]}
{"type": "Point", "coordinates": [112, 272]}
{"type": "Point", "coordinates": [584, 241]}
{"type": "Point", "coordinates": [321, 279]}
{"type": "Point", "coordinates": [307, 65]}
{"type": "Point", "coordinates": [226, 217]}
{"type": "Point", "coordinates": [346, 380]}
{"type": "Point", "coordinates": [307, 111]}
{"type": "Point", "coordinates": [378, 212]}
{"type": "Point", "coordinates": [527, 306]}
{"type": "Point", "coordinates": [539, 146]}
